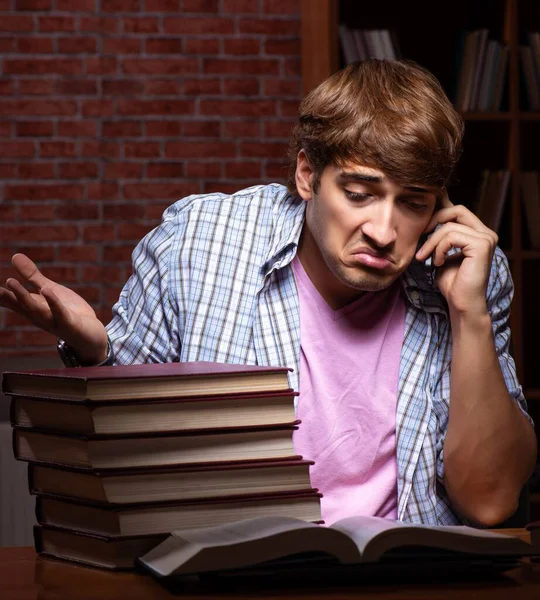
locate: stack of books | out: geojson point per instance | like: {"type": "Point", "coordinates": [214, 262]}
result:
{"type": "Point", "coordinates": [119, 457]}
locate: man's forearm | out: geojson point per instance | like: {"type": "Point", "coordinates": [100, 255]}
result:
{"type": "Point", "coordinates": [490, 447]}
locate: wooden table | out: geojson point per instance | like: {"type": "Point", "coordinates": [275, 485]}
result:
{"type": "Point", "coordinates": [25, 576]}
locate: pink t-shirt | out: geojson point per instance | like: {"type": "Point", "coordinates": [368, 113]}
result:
{"type": "Point", "coordinates": [349, 369]}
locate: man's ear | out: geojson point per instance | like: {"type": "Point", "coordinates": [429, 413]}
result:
{"type": "Point", "coordinates": [304, 176]}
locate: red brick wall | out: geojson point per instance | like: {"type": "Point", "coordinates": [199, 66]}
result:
{"type": "Point", "coordinates": [110, 110]}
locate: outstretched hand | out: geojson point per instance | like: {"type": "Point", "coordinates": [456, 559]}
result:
{"type": "Point", "coordinates": [54, 308]}
{"type": "Point", "coordinates": [463, 276]}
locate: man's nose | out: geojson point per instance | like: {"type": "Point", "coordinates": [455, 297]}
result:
{"type": "Point", "coordinates": [380, 228]}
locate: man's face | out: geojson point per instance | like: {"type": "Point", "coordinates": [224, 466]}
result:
{"type": "Point", "coordinates": [362, 229]}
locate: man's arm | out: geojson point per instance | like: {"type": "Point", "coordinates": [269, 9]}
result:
{"type": "Point", "coordinates": [490, 444]}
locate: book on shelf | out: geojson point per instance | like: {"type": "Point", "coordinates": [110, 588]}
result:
{"type": "Point", "coordinates": [161, 484]}
{"type": "Point", "coordinates": [530, 193]}
{"type": "Point", "coordinates": [105, 552]}
{"type": "Point", "coordinates": [157, 518]}
{"type": "Point", "coordinates": [273, 543]}
{"type": "Point", "coordinates": [530, 76]}
{"type": "Point", "coordinates": [492, 194]}
{"type": "Point", "coordinates": [121, 452]}
{"type": "Point", "coordinates": [90, 417]}
{"type": "Point", "coordinates": [155, 380]}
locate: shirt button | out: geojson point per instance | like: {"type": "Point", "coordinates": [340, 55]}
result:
{"type": "Point", "coordinates": [415, 295]}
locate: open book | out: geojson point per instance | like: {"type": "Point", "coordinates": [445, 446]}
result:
{"type": "Point", "coordinates": [269, 540]}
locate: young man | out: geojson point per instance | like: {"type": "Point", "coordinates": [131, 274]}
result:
{"type": "Point", "coordinates": [390, 303]}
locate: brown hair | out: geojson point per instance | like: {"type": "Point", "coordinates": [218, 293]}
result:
{"type": "Point", "coordinates": [391, 115]}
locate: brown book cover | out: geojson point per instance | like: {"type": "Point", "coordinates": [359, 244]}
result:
{"type": "Point", "coordinates": [164, 517]}
{"type": "Point", "coordinates": [155, 380]}
{"type": "Point", "coordinates": [164, 449]}
{"type": "Point", "coordinates": [171, 484]}
{"type": "Point", "coordinates": [111, 553]}
{"type": "Point", "coordinates": [153, 415]}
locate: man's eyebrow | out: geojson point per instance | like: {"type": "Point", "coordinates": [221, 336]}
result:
{"type": "Point", "coordinates": [365, 177]}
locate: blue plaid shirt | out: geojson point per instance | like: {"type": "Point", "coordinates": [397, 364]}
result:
{"type": "Point", "coordinates": [214, 283]}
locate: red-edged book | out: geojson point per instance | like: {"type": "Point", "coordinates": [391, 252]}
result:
{"type": "Point", "coordinates": [155, 380]}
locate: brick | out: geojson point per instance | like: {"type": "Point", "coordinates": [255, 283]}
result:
{"type": "Point", "coordinates": [119, 211]}
{"type": "Point", "coordinates": [276, 171]}
{"type": "Point", "coordinates": [283, 47]}
{"type": "Point", "coordinates": [163, 46]}
{"type": "Point", "coordinates": [101, 273]}
{"type": "Point", "coordinates": [16, 24]}
{"type": "Point", "coordinates": [40, 254]}
{"type": "Point", "coordinates": [9, 340]}
{"type": "Point", "coordinates": [241, 67]}
{"type": "Point", "coordinates": [103, 191]}
{"type": "Point", "coordinates": [242, 46]}
{"type": "Point", "coordinates": [35, 337]}
{"type": "Point", "coordinates": [242, 129]}
{"type": "Point", "coordinates": [36, 170]}
{"type": "Point", "coordinates": [33, 4]}
{"type": "Point", "coordinates": [200, 6]}
{"type": "Point", "coordinates": [91, 293]}
{"type": "Point", "coordinates": [7, 213]}
{"type": "Point", "coordinates": [17, 149]}
{"type": "Point", "coordinates": [98, 233]}
{"type": "Point", "coordinates": [201, 46]}
{"type": "Point", "coordinates": [292, 67]}
{"type": "Point", "coordinates": [97, 108]}
{"type": "Point", "coordinates": [152, 191]}
{"type": "Point", "coordinates": [38, 233]}
{"type": "Point", "coordinates": [140, 25]}
{"type": "Point", "coordinates": [116, 6]}
{"type": "Point", "coordinates": [132, 231]}
{"type": "Point", "coordinates": [56, 24]}
{"type": "Point", "coordinates": [142, 149]}
{"type": "Point", "coordinates": [57, 148]}
{"type": "Point", "coordinates": [43, 66]}
{"type": "Point", "coordinates": [241, 170]}
{"type": "Point", "coordinates": [111, 294]}
{"type": "Point", "coordinates": [118, 254]}
{"type": "Point", "coordinates": [163, 128]}
{"type": "Point", "coordinates": [78, 170]}
{"type": "Point", "coordinates": [161, 66]}
{"type": "Point", "coordinates": [122, 87]}
{"type": "Point", "coordinates": [121, 46]}
{"type": "Point", "coordinates": [162, 87]}
{"type": "Point", "coordinates": [78, 212]}
{"type": "Point", "coordinates": [269, 26]}
{"type": "Point", "coordinates": [99, 24]}
{"type": "Point", "coordinates": [202, 129]}
{"type": "Point", "coordinates": [6, 129]}
{"type": "Point", "coordinates": [100, 149]}
{"type": "Point", "coordinates": [77, 128]}
{"type": "Point", "coordinates": [210, 187]}
{"type": "Point", "coordinates": [165, 170]}
{"type": "Point", "coordinates": [203, 169]}
{"type": "Point", "coordinates": [44, 191]}
{"type": "Point", "coordinates": [282, 87]}
{"type": "Point", "coordinates": [35, 45]}
{"type": "Point", "coordinates": [76, 87]}
{"type": "Point", "coordinates": [195, 25]}
{"type": "Point", "coordinates": [154, 211]}
{"type": "Point", "coordinates": [241, 86]}
{"type": "Point", "coordinates": [264, 149]}
{"type": "Point", "coordinates": [6, 87]}
{"type": "Point", "coordinates": [278, 129]}
{"type": "Point", "coordinates": [247, 108]}
{"type": "Point", "coordinates": [77, 44]}
{"type": "Point", "coordinates": [7, 44]}
{"type": "Point", "coordinates": [35, 87]}
{"type": "Point", "coordinates": [8, 171]}
{"type": "Point", "coordinates": [101, 65]}
{"type": "Point", "coordinates": [200, 149]}
{"type": "Point", "coordinates": [34, 128]}
{"type": "Point", "coordinates": [289, 108]}
{"type": "Point", "coordinates": [121, 129]}
{"type": "Point", "coordinates": [282, 7]}
{"type": "Point", "coordinates": [196, 87]}
{"type": "Point", "coordinates": [84, 253]}
{"type": "Point", "coordinates": [36, 212]}
{"type": "Point", "coordinates": [123, 170]}
{"type": "Point", "coordinates": [161, 5]}
{"type": "Point", "coordinates": [154, 107]}
{"type": "Point", "coordinates": [79, 6]}
{"type": "Point", "coordinates": [239, 6]}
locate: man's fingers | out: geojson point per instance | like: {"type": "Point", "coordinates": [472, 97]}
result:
{"type": "Point", "coordinates": [61, 316]}
{"type": "Point", "coordinates": [9, 300]}
{"type": "Point", "coordinates": [28, 271]}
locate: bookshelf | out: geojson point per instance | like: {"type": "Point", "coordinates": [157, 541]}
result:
{"type": "Point", "coordinates": [502, 139]}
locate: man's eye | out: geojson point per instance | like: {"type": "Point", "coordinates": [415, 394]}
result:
{"type": "Point", "coordinates": [416, 205]}
{"type": "Point", "coordinates": [356, 196]}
